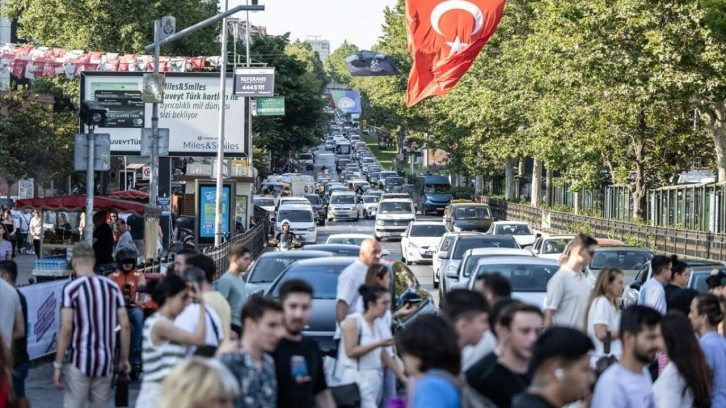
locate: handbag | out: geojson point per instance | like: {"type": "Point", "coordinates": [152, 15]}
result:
{"type": "Point", "coordinates": [608, 359]}
{"type": "Point", "coordinates": [346, 395]}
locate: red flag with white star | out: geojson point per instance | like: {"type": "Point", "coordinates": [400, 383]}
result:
{"type": "Point", "coordinates": [444, 39]}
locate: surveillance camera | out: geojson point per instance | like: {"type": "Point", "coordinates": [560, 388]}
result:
{"type": "Point", "coordinates": [93, 113]}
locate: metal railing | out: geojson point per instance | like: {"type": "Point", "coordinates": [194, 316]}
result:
{"type": "Point", "coordinates": [255, 239]}
{"type": "Point", "coordinates": [690, 243]}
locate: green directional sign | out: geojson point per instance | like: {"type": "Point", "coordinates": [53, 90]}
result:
{"type": "Point", "coordinates": [274, 106]}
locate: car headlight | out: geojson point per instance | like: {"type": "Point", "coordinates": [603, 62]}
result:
{"type": "Point", "coordinates": [311, 229]}
{"type": "Point", "coordinates": [451, 269]}
{"type": "Point", "coordinates": [379, 222]}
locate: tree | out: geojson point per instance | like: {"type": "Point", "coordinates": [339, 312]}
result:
{"type": "Point", "coordinates": [122, 26]}
{"type": "Point", "coordinates": [335, 63]}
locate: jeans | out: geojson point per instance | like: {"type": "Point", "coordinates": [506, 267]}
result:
{"type": "Point", "coordinates": [136, 318]}
{"type": "Point", "coordinates": [20, 373]}
{"type": "Point", "coordinates": [389, 387]}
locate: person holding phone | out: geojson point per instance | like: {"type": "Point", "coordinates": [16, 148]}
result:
{"type": "Point", "coordinates": [164, 344]}
{"type": "Point", "coordinates": [189, 320]}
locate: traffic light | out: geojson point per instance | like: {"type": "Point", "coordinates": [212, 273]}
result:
{"type": "Point", "coordinates": [93, 113]}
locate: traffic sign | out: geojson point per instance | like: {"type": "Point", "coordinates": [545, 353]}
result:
{"type": "Point", "coordinates": [163, 142]}
{"type": "Point", "coordinates": [254, 82]}
{"type": "Point", "coordinates": [102, 152]}
{"type": "Point", "coordinates": [146, 173]}
{"type": "Point", "coordinates": [274, 106]}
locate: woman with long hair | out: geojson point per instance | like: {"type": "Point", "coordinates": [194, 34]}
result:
{"type": "Point", "coordinates": [6, 247]}
{"type": "Point", "coordinates": [10, 230]}
{"type": "Point", "coordinates": [360, 355]}
{"type": "Point", "coordinates": [199, 383]}
{"type": "Point", "coordinates": [602, 315]}
{"type": "Point", "coordinates": [706, 313]}
{"type": "Point", "coordinates": [687, 379]}
{"type": "Point", "coordinates": [164, 345]}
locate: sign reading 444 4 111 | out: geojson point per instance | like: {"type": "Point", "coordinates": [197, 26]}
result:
{"type": "Point", "coordinates": [254, 82]}
{"type": "Point", "coordinates": [190, 111]}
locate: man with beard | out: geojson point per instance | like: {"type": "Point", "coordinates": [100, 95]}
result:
{"type": "Point", "coordinates": [628, 383]}
{"type": "Point", "coordinates": [298, 360]}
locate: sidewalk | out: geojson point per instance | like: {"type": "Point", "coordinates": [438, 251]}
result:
{"type": "Point", "coordinates": [42, 394]}
{"type": "Point", "coordinates": [25, 267]}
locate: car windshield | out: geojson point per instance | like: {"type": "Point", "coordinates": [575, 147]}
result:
{"type": "Point", "coordinates": [555, 246]}
{"type": "Point", "coordinates": [295, 215]}
{"type": "Point", "coordinates": [266, 188]}
{"type": "Point", "coordinates": [394, 181]}
{"type": "Point", "coordinates": [267, 269]}
{"type": "Point", "coordinates": [427, 230]}
{"type": "Point", "coordinates": [395, 208]}
{"type": "Point", "coordinates": [342, 199]}
{"type": "Point", "coordinates": [620, 258]}
{"type": "Point", "coordinates": [346, 240]}
{"type": "Point", "coordinates": [323, 278]}
{"type": "Point", "coordinates": [314, 199]}
{"type": "Point", "coordinates": [371, 199]}
{"type": "Point", "coordinates": [306, 156]}
{"type": "Point", "coordinates": [523, 278]}
{"type": "Point", "coordinates": [342, 149]}
{"type": "Point", "coordinates": [512, 229]}
{"type": "Point", "coordinates": [437, 188]}
{"type": "Point", "coordinates": [472, 213]}
{"type": "Point", "coordinates": [466, 244]}
{"type": "Point", "coordinates": [264, 202]}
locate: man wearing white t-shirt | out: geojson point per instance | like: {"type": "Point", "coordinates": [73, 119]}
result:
{"type": "Point", "coordinates": [652, 293]}
{"type": "Point", "coordinates": [352, 277]}
{"type": "Point", "coordinates": [568, 290]}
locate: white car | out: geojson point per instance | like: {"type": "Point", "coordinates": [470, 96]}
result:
{"type": "Point", "coordinates": [368, 206]}
{"type": "Point", "coordinates": [417, 240]}
{"type": "Point", "coordinates": [520, 230]}
{"type": "Point", "coordinates": [348, 239]}
{"type": "Point", "coordinates": [393, 217]}
{"type": "Point", "coordinates": [265, 202]}
{"type": "Point", "coordinates": [302, 221]}
{"type": "Point", "coordinates": [552, 246]}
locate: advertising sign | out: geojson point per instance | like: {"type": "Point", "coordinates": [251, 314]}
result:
{"type": "Point", "coordinates": [254, 81]}
{"type": "Point", "coordinates": [190, 111]}
{"type": "Point", "coordinates": [346, 101]}
{"type": "Point", "coordinates": [44, 301]}
{"type": "Point", "coordinates": [207, 210]}
{"type": "Point", "coordinates": [274, 106]}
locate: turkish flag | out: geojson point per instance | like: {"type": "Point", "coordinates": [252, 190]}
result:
{"type": "Point", "coordinates": [444, 39]}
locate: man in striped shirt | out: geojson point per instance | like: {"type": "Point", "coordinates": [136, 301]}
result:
{"type": "Point", "coordinates": [91, 308]}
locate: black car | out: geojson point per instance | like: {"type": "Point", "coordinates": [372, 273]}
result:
{"type": "Point", "coordinates": [319, 206]}
{"type": "Point", "coordinates": [322, 274]}
{"type": "Point", "coordinates": [336, 249]}
{"type": "Point", "coordinates": [468, 217]}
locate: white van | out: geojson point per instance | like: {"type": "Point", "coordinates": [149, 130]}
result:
{"type": "Point", "coordinates": [343, 205]}
{"type": "Point", "coordinates": [298, 185]}
{"type": "Point", "coordinates": [302, 221]}
{"type": "Point", "coordinates": [393, 217]}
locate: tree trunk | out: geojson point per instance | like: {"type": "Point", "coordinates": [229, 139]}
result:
{"type": "Point", "coordinates": [536, 198]}
{"type": "Point", "coordinates": [520, 167]}
{"type": "Point", "coordinates": [509, 179]}
{"type": "Point", "coordinates": [479, 189]}
{"type": "Point", "coordinates": [576, 201]}
{"type": "Point", "coordinates": [550, 186]}
{"type": "Point", "coordinates": [716, 123]}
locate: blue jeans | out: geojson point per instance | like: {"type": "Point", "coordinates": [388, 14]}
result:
{"type": "Point", "coordinates": [20, 373]}
{"type": "Point", "coordinates": [389, 387]}
{"type": "Point", "coordinates": [136, 318]}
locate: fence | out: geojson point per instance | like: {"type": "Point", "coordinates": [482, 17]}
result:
{"type": "Point", "coordinates": [255, 239]}
{"type": "Point", "coordinates": [697, 244]}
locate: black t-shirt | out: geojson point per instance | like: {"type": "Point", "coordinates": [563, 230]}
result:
{"type": "Point", "coordinates": [136, 224]}
{"type": "Point", "coordinates": [681, 300]}
{"type": "Point", "coordinates": [481, 367]}
{"type": "Point", "coordinates": [103, 247]}
{"type": "Point", "coordinates": [300, 375]}
{"type": "Point", "coordinates": [500, 385]}
{"type": "Point", "coordinates": [528, 400]}
{"type": "Point", "coordinates": [20, 347]}
{"type": "Point", "coordinates": [670, 291]}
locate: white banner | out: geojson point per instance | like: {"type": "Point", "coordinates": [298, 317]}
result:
{"type": "Point", "coordinates": [44, 302]}
{"type": "Point", "coordinates": [26, 188]}
{"type": "Point", "coordinates": [190, 111]}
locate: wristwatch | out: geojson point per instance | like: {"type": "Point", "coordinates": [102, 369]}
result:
{"type": "Point", "coordinates": [57, 365]}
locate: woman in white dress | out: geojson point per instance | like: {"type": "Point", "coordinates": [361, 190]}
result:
{"type": "Point", "coordinates": [360, 356]}
{"type": "Point", "coordinates": [602, 316]}
{"type": "Point", "coordinates": [687, 379]}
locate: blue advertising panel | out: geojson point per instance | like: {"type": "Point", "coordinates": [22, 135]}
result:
{"type": "Point", "coordinates": [207, 211]}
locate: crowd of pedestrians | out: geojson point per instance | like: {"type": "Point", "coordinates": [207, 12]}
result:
{"type": "Point", "coordinates": [207, 344]}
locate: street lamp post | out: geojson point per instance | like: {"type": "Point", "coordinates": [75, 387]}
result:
{"type": "Point", "coordinates": [220, 140]}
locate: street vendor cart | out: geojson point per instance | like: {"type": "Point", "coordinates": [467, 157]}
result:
{"type": "Point", "coordinates": [61, 230]}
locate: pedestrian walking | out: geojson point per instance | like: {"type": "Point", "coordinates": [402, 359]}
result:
{"type": "Point", "coordinates": [103, 243]}
{"type": "Point", "coordinates": [652, 293]}
{"type": "Point", "coordinates": [350, 280]}
{"type": "Point", "coordinates": [125, 242]}
{"type": "Point", "coordinates": [560, 370]}
{"type": "Point", "coordinates": [568, 290]}
{"type": "Point", "coordinates": [232, 284]}
{"type": "Point", "coordinates": [298, 359]}
{"type": "Point", "coordinates": [24, 223]}
{"type": "Point", "coordinates": [11, 229]}
{"type": "Point", "coordinates": [640, 334]}
{"type": "Point", "coordinates": [91, 308]}
{"type": "Point", "coordinates": [6, 246]}
{"type": "Point", "coordinates": [602, 320]}
{"type": "Point", "coordinates": [188, 320]}
{"type": "Point", "coordinates": [36, 229]}
{"type": "Point", "coordinates": [21, 360]}
{"type": "Point", "coordinates": [360, 351]}
{"type": "Point", "coordinates": [687, 379]}
{"type": "Point", "coordinates": [248, 360]}
{"type": "Point", "coordinates": [213, 298]}
{"type": "Point", "coordinates": [199, 383]}
{"type": "Point", "coordinates": [468, 311]}
{"type": "Point", "coordinates": [164, 344]}
{"type": "Point", "coordinates": [706, 314]}
{"type": "Point", "coordinates": [495, 288]}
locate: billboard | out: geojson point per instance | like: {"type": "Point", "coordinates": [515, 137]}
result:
{"type": "Point", "coordinates": [190, 111]}
{"type": "Point", "coordinates": [207, 210]}
{"type": "Point", "coordinates": [346, 101]}
{"type": "Point", "coordinates": [369, 63]}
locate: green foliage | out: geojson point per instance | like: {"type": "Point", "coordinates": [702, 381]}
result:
{"type": "Point", "coordinates": [335, 66]}
{"type": "Point", "coordinates": [581, 227]}
{"type": "Point", "coordinates": [124, 26]}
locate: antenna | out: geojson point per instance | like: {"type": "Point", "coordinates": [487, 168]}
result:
{"type": "Point", "coordinates": [314, 37]}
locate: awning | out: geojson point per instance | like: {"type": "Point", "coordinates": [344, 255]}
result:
{"type": "Point", "coordinates": [78, 203]}
{"type": "Point", "coordinates": [133, 195]}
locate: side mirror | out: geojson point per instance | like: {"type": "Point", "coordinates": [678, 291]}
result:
{"type": "Point", "coordinates": [444, 255]}
{"type": "Point", "coordinates": [634, 285]}
{"type": "Point", "coordinates": [452, 273]}
{"type": "Point", "coordinates": [538, 235]}
{"type": "Point", "coordinates": [403, 235]}
{"type": "Point", "coordinates": [530, 247]}
{"type": "Point", "coordinates": [418, 212]}
{"type": "Point", "coordinates": [385, 252]}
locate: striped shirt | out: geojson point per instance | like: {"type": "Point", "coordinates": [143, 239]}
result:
{"type": "Point", "coordinates": [95, 301]}
{"type": "Point", "coordinates": [160, 359]}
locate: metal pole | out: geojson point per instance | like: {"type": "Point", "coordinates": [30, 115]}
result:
{"type": "Point", "coordinates": [220, 139]}
{"type": "Point", "coordinates": [154, 179]}
{"type": "Point", "coordinates": [249, 100]}
{"type": "Point", "coordinates": [90, 187]}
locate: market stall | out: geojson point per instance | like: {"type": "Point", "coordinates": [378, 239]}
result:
{"type": "Point", "coordinates": [61, 228]}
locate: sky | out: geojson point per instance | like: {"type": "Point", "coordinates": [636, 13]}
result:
{"type": "Point", "coordinates": [358, 21]}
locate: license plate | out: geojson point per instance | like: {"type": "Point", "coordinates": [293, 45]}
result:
{"type": "Point", "coordinates": [428, 253]}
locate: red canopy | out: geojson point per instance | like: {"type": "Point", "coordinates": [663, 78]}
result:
{"type": "Point", "coordinates": [78, 203]}
{"type": "Point", "coordinates": [135, 195]}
